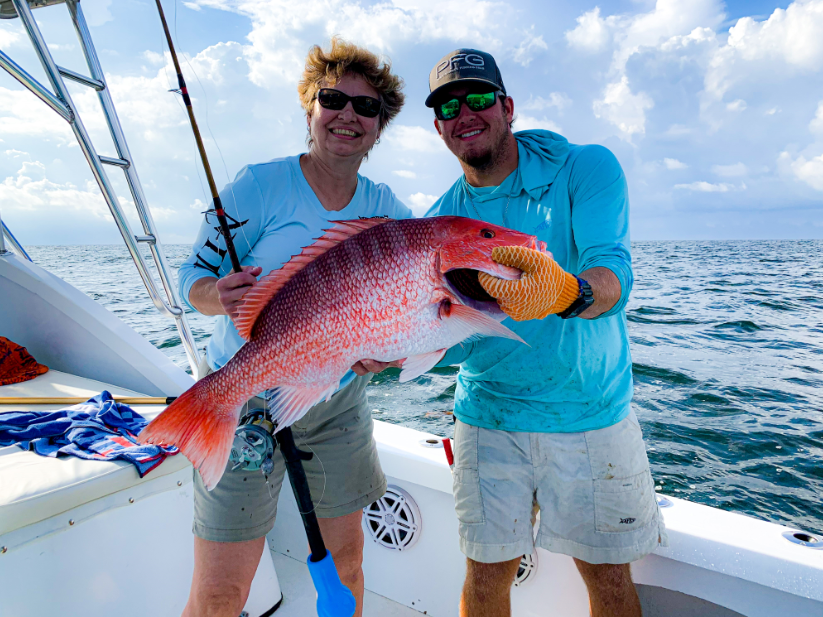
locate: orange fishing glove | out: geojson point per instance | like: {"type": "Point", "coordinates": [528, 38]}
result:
{"type": "Point", "coordinates": [543, 289]}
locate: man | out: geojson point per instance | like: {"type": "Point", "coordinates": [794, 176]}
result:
{"type": "Point", "coordinates": [545, 426]}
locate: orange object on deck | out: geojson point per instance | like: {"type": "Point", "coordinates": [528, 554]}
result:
{"type": "Point", "coordinates": [16, 364]}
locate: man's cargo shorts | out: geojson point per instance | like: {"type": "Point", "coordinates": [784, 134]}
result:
{"type": "Point", "coordinates": [593, 490]}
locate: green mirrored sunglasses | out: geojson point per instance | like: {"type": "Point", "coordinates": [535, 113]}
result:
{"type": "Point", "coordinates": [450, 109]}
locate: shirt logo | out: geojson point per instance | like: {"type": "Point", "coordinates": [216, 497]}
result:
{"type": "Point", "coordinates": [544, 225]}
{"type": "Point", "coordinates": [202, 262]}
{"type": "Point", "coordinates": [461, 61]}
{"type": "Point", "coordinates": [627, 521]}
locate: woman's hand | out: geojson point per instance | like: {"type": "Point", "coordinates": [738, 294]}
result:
{"type": "Point", "coordinates": [232, 287]}
{"type": "Point", "coordinates": [364, 367]}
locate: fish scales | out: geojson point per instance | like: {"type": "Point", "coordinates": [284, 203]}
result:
{"type": "Point", "coordinates": [344, 295]}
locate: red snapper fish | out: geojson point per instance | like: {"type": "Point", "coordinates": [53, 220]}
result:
{"type": "Point", "coordinates": [370, 288]}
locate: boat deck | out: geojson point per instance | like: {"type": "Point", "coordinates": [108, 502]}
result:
{"type": "Point", "coordinates": [299, 595]}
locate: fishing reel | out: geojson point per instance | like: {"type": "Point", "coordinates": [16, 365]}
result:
{"type": "Point", "coordinates": [253, 446]}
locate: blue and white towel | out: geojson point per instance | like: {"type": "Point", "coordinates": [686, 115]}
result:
{"type": "Point", "coordinates": [100, 429]}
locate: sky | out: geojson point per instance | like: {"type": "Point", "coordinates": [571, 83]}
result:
{"type": "Point", "coordinates": [714, 109]}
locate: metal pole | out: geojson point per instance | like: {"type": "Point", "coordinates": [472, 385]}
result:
{"type": "Point", "coordinates": [93, 160]}
{"type": "Point", "coordinates": [3, 250]}
{"type": "Point", "coordinates": [133, 180]}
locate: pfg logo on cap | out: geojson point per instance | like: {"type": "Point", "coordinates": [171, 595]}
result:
{"type": "Point", "coordinates": [461, 61]}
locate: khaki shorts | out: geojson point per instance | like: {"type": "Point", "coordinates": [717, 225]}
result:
{"type": "Point", "coordinates": [344, 474]}
{"type": "Point", "coordinates": [593, 490]}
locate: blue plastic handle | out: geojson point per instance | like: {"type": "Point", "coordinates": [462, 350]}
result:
{"type": "Point", "coordinates": [333, 598]}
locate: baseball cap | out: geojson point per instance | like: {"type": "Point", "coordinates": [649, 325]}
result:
{"type": "Point", "coordinates": [464, 66]}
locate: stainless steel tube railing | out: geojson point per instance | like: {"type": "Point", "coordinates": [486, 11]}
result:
{"type": "Point", "coordinates": [5, 234]}
{"type": "Point", "coordinates": [3, 250]}
{"type": "Point", "coordinates": [62, 103]}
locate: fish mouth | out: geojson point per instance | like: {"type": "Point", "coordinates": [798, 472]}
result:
{"type": "Point", "coordinates": [465, 285]}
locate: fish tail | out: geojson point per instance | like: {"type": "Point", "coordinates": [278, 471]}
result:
{"type": "Point", "coordinates": [201, 424]}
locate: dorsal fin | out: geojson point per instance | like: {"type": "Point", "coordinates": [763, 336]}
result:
{"type": "Point", "coordinates": [256, 299]}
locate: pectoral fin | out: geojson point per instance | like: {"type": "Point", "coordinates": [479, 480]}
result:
{"type": "Point", "coordinates": [414, 366]}
{"type": "Point", "coordinates": [290, 403]}
{"type": "Point", "coordinates": [467, 323]}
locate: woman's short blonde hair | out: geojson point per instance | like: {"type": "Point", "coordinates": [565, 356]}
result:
{"type": "Point", "coordinates": [326, 68]}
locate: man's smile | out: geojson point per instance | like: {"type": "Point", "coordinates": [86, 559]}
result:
{"type": "Point", "coordinates": [468, 134]}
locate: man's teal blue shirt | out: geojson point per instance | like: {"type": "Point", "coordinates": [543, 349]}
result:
{"type": "Point", "coordinates": [574, 375]}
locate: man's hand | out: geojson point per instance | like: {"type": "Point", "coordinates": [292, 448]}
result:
{"type": "Point", "coordinates": [364, 367]}
{"type": "Point", "coordinates": [543, 289]}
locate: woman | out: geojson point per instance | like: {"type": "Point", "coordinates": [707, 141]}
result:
{"type": "Point", "coordinates": [277, 208]}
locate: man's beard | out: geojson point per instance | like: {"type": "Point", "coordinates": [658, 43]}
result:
{"type": "Point", "coordinates": [488, 160]}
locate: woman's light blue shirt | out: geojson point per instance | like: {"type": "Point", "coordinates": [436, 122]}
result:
{"type": "Point", "coordinates": [574, 375]}
{"type": "Point", "coordinates": [274, 213]}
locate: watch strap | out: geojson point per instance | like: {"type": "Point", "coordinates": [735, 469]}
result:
{"type": "Point", "coordinates": [585, 298]}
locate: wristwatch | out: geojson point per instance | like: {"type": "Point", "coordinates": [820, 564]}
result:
{"type": "Point", "coordinates": [585, 298]}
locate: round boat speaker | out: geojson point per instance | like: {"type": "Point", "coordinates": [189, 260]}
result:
{"type": "Point", "coordinates": [527, 569]}
{"type": "Point", "coordinates": [394, 520]}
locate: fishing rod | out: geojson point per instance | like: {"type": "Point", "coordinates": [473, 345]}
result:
{"type": "Point", "coordinates": [333, 598]}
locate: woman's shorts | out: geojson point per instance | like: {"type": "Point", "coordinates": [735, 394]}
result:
{"type": "Point", "coordinates": [344, 474]}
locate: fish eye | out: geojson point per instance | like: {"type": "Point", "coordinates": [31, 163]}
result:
{"type": "Point", "coordinates": [486, 233]}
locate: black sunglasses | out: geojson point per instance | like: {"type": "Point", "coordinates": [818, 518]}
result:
{"type": "Point", "coordinates": [450, 108]}
{"type": "Point", "coordinates": [365, 106]}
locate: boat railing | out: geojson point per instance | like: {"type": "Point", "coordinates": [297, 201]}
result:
{"type": "Point", "coordinates": [58, 99]}
{"type": "Point", "coordinates": [5, 234]}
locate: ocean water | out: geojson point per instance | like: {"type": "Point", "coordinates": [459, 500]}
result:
{"type": "Point", "coordinates": [727, 344]}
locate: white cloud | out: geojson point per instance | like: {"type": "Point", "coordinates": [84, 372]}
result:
{"type": "Point", "coordinates": [730, 171]}
{"type": "Point", "coordinates": [816, 125]}
{"type": "Point", "coordinates": [792, 38]}
{"type": "Point", "coordinates": [592, 33]}
{"type": "Point", "coordinates": [23, 115]}
{"type": "Point", "coordinates": [154, 57]}
{"type": "Point", "coordinates": [283, 30]}
{"type": "Point", "coordinates": [415, 138]}
{"type": "Point", "coordinates": [420, 203]}
{"type": "Point", "coordinates": [524, 123]}
{"type": "Point", "coordinates": [674, 164]}
{"type": "Point", "coordinates": [685, 21]}
{"type": "Point", "coordinates": [772, 111]}
{"type": "Point", "coordinates": [529, 47]}
{"type": "Point", "coordinates": [405, 173]}
{"type": "Point", "coordinates": [707, 187]}
{"type": "Point", "coordinates": [31, 191]}
{"type": "Point", "coordinates": [672, 23]}
{"type": "Point", "coordinates": [738, 105]}
{"type": "Point", "coordinates": [678, 130]}
{"type": "Point", "coordinates": [192, 5]}
{"type": "Point", "coordinates": [794, 34]}
{"type": "Point", "coordinates": [809, 171]}
{"type": "Point", "coordinates": [97, 12]}
{"type": "Point", "coordinates": [560, 100]}
{"type": "Point", "coordinates": [625, 110]}
{"type": "Point", "coordinates": [8, 38]}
